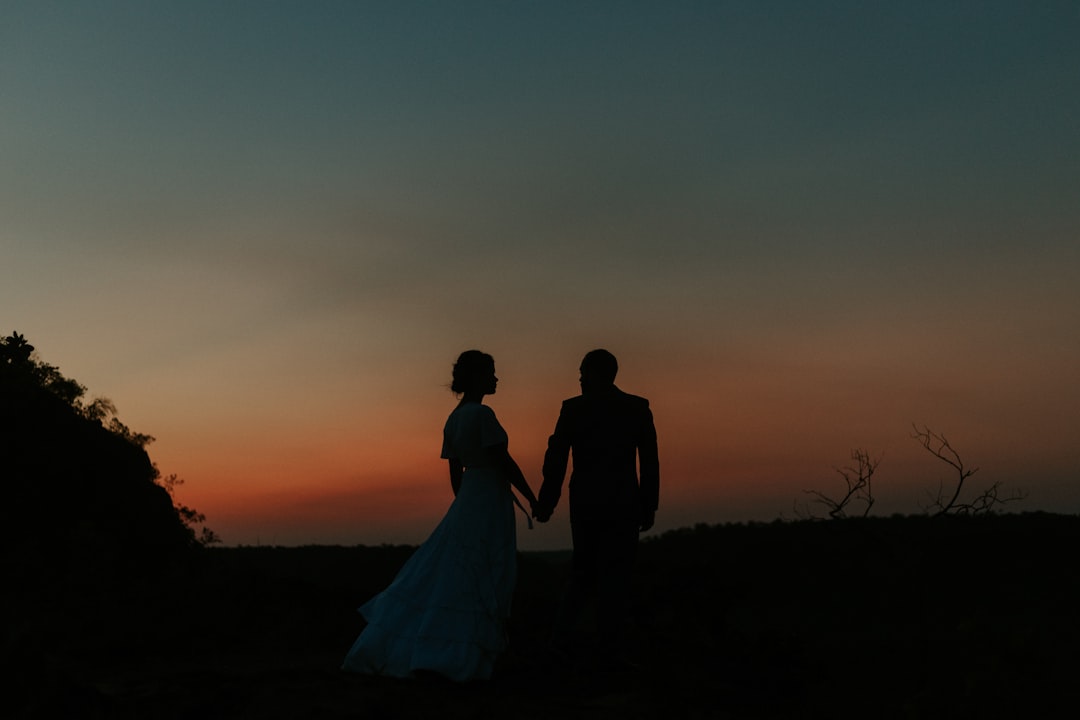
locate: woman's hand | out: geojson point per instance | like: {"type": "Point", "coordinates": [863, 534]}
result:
{"type": "Point", "coordinates": [541, 513]}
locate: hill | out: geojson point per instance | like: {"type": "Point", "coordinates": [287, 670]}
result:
{"type": "Point", "coordinates": [84, 504]}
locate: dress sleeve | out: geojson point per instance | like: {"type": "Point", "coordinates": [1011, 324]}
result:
{"type": "Point", "coordinates": [491, 432]}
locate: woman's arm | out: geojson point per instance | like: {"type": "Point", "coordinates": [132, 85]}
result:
{"type": "Point", "coordinates": [514, 474]}
{"type": "Point", "coordinates": [456, 471]}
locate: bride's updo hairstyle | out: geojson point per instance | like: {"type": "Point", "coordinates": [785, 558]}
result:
{"type": "Point", "coordinates": [472, 368]}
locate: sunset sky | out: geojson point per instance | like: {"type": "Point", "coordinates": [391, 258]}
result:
{"type": "Point", "coordinates": [265, 230]}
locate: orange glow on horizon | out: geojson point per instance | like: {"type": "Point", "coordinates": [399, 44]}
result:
{"type": "Point", "coordinates": [741, 442]}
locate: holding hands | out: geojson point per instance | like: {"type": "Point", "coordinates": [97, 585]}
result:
{"type": "Point", "coordinates": [541, 513]}
{"type": "Point", "coordinates": [645, 522]}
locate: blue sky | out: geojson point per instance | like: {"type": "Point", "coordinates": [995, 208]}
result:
{"type": "Point", "coordinates": [265, 229]}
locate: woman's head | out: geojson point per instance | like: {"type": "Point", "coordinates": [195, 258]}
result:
{"type": "Point", "coordinates": [474, 372]}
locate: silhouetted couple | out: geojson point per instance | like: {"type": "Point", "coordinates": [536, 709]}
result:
{"type": "Point", "coordinates": [446, 610]}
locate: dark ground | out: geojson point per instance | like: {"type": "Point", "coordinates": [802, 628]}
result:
{"type": "Point", "coordinates": [906, 617]}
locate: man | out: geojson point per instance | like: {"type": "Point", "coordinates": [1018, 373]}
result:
{"type": "Point", "coordinates": [611, 435]}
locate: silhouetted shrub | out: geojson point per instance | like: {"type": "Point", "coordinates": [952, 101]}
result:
{"type": "Point", "coordinates": [83, 500]}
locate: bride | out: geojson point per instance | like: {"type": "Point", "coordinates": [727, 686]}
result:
{"type": "Point", "coordinates": [446, 610]}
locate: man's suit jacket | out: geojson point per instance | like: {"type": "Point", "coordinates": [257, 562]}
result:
{"type": "Point", "coordinates": [609, 433]}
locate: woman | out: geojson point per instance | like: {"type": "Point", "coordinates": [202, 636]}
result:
{"type": "Point", "coordinates": [445, 612]}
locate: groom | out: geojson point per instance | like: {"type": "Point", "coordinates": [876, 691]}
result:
{"type": "Point", "coordinates": [611, 435]}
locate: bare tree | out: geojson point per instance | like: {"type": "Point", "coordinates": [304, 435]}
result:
{"type": "Point", "coordinates": [986, 502]}
{"type": "Point", "coordinates": [858, 487]}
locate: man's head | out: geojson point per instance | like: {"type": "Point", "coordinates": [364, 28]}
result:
{"type": "Point", "coordinates": [598, 370]}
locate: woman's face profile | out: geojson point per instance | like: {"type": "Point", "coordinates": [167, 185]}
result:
{"type": "Point", "coordinates": [489, 381]}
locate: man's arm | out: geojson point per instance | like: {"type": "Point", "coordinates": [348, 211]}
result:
{"type": "Point", "coordinates": [649, 469]}
{"type": "Point", "coordinates": [556, 459]}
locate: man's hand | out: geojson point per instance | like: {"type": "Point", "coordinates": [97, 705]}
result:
{"type": "Point", "coordinates": [541, 513]}
{"type": "Point", "coordinates": [648, 517]}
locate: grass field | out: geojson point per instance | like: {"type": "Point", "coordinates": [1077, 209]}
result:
{"type": "Point", "coordinates": [904, 617]}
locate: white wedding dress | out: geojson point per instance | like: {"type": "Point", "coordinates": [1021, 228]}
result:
{"type": "Point", "coordinates": [447, 608]}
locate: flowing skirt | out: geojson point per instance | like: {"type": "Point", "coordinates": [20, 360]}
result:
{"type": "Point", "coordinates": [446, 610]}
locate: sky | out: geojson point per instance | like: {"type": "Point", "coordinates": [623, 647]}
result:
{"type": "Point", "coordinates": [265, 230]}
